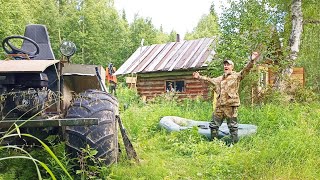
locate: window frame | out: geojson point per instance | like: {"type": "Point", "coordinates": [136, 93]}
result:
{"type": "Point", "coordinates": [175, 85]}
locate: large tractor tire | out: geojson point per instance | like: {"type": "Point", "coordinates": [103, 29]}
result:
{"type": "Point", "coordinates": [102, 137]}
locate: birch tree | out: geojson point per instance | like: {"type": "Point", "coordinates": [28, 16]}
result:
{"type": "Point", "coordinates": [294, 44]}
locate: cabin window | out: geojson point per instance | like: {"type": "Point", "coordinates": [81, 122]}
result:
{"type": "Point", "coordinates": [175, 86]}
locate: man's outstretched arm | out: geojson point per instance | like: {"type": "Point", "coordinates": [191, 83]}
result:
{"type": "Point", "coordinates": [249, 65]}
{"type": "Point", "coordinates": [197, 75]}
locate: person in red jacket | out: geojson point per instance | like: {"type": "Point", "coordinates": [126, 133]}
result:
{"type": "Point", "coordinates": [111, 79]}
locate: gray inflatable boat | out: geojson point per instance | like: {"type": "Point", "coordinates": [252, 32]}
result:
{"type": "Point", "coordinates": [175, 123]}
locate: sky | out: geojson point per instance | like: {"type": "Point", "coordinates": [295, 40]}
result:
{"type": "Point", "coordinates": [179, 15]}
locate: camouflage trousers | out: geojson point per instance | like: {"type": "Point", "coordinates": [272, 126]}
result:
{"type": "Point", "coordinates": [229, 113]}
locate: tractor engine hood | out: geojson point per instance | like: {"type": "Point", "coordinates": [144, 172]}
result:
{"type": "Point", "coordinates": [25, 66]}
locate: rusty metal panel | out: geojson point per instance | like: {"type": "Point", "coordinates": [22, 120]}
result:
{"type": "Point", "coordinates": [140, 59]}
{"type": "Point", "coordinates": [176, 56]}
{"type": "Point", "coordinates": [169, 57]}
{"type": "Point", "coordinates": [131, 60]}
{"type": "Point", "coordinates": [197, 53]}
{"type": "Point", "coordinates": [155, 51]}
{"type": "Point", "coordinates": [159, 58]}
{"type": "Point", "coordinates": [194, 50]}
{"type": "Point", "coordinates": [179, 58]}
{"type": "Point", "coordinates": [195, 63]}
{"type": "Point", "coordinates": [83, 70]}
{"type": "Point", "coordinates": [16, 66]}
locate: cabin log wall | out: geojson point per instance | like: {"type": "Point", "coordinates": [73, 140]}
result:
{"type": "Point", "coordinates": [150, 87]}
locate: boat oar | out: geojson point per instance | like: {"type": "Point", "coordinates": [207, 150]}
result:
{"type": "Point", "coordinates": [131, 153]}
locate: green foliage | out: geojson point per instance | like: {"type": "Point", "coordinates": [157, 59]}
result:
{"type": "Point", "coordinates": [285, 146]}
{"type": "Point", "coordinates": [142, 28]}
{"type": "Point", "coordinates": [127, 97]}
{"type": "Point", "coordinates": [90, 167]}
{"type": "Point", "coordinates": [101, 34]}
{"type": "Point", "coordinates": [309, 52]}
{"type": "Point", "coordinates": [265, 26]}
{"type": "Point", "coordinates": [207, 26]}
{"type": "Point", "coordinates": [248, 26]}
{"type": "Point", "coordinates": [17, 157]}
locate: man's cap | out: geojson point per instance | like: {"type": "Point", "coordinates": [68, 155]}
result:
{"type": "Point", "coordinates": [229, 62]}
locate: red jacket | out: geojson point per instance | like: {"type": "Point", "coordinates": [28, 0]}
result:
{"type": "Point", "coordinates": [111, 77]}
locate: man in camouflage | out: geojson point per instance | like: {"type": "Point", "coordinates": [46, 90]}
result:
{"type": "Point", "coordinates": [228, 101]}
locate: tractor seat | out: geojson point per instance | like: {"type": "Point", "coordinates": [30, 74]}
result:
{"type": "Point", "coordinates": [39, 34]}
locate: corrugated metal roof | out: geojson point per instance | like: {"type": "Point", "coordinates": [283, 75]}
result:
{"type": "Point", "coordinates": [169, 57]}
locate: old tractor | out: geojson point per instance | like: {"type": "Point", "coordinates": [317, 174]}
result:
{"type": "Point", "coordinates": [43, 96]}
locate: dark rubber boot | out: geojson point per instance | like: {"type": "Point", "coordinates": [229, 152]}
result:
{"type": "Point", "coordinates": [214, 133]}
{"type": "Point", "coordinates": [234, 137]}
{"type": "Point", "coordinates": [233, 128]}
{"type": "Point", "coordinates": [214, 129]}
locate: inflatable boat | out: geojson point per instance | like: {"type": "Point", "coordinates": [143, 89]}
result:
{"type": "Point", "coordinates": [175, 123]}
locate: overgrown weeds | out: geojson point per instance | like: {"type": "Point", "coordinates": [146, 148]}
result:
{"type": "Point", "coordinates": [284, 147]}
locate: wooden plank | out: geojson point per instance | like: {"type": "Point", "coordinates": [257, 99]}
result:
{"type": "Point", "coordinates": [197, 91]}
{"type": "Point", "coordinates": [161, 74]}
{"type": "Point", "coordinates": [131, 80]}
{"type": "Point", "coordinates": [153, 92]}
{"type": "Point", "coordinates": [196, 81]}
{"type": "Point", "coordinates": [298, 73]}
{"type": "Point", "coordinates": [165, 79]}
{"type": "Point", "coordinates": [298, 70]}
{"type": "Point", "coordinates": [197, 87]}
{"type": "Point", "coordinates": [204, 57]}
{"type": "Point", "coordinates": [188, 81]}
{"type": "Point", "coordinates": [297, 76]}
{"type": "Point", "coordinates": [176, 54]}
{"type": "Point", "coordinates": [151, 89]}
{"type": "Point", "coordinates": [154, 84]}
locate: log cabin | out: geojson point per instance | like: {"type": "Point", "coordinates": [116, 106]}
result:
{"type": "Point", "coordinates": [167, 68]}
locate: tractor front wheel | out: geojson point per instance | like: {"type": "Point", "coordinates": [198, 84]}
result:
{"type": "Point", "coordinates": [102, 137]}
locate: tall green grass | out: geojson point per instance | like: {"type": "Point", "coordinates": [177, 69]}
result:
{"type": "Point", "coordinates": [286, 145]}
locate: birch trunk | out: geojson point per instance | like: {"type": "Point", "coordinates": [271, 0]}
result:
{"type": "Point", "coordinates": [294, 43]}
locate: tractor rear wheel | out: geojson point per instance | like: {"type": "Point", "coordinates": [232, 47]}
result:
{"type": "Point", "coordinates": [102, 137]}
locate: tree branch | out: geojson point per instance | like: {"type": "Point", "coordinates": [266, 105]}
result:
{"type": "Point", "coordinates": [311, 21]}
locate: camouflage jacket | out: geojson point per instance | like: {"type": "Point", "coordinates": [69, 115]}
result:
{"type": "Point", "coordinates": [227, 86]}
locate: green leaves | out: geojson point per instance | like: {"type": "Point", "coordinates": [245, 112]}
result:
{"type": "Point", "coordinates": [45, 147]}
{"type": "Point", "coordinates": [101, 34]}
{"type": "Point", "coordinates": [207, 27]}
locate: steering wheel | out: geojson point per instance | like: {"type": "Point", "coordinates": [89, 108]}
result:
{"type": "Point", "coordinates": [14, 50]}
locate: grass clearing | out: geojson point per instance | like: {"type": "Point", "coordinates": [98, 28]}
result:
{"type": "Point", "coordinates": [286, 145]}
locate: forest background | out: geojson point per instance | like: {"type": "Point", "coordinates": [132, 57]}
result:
{"type": "Point", "coordinates": [286, 145]}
